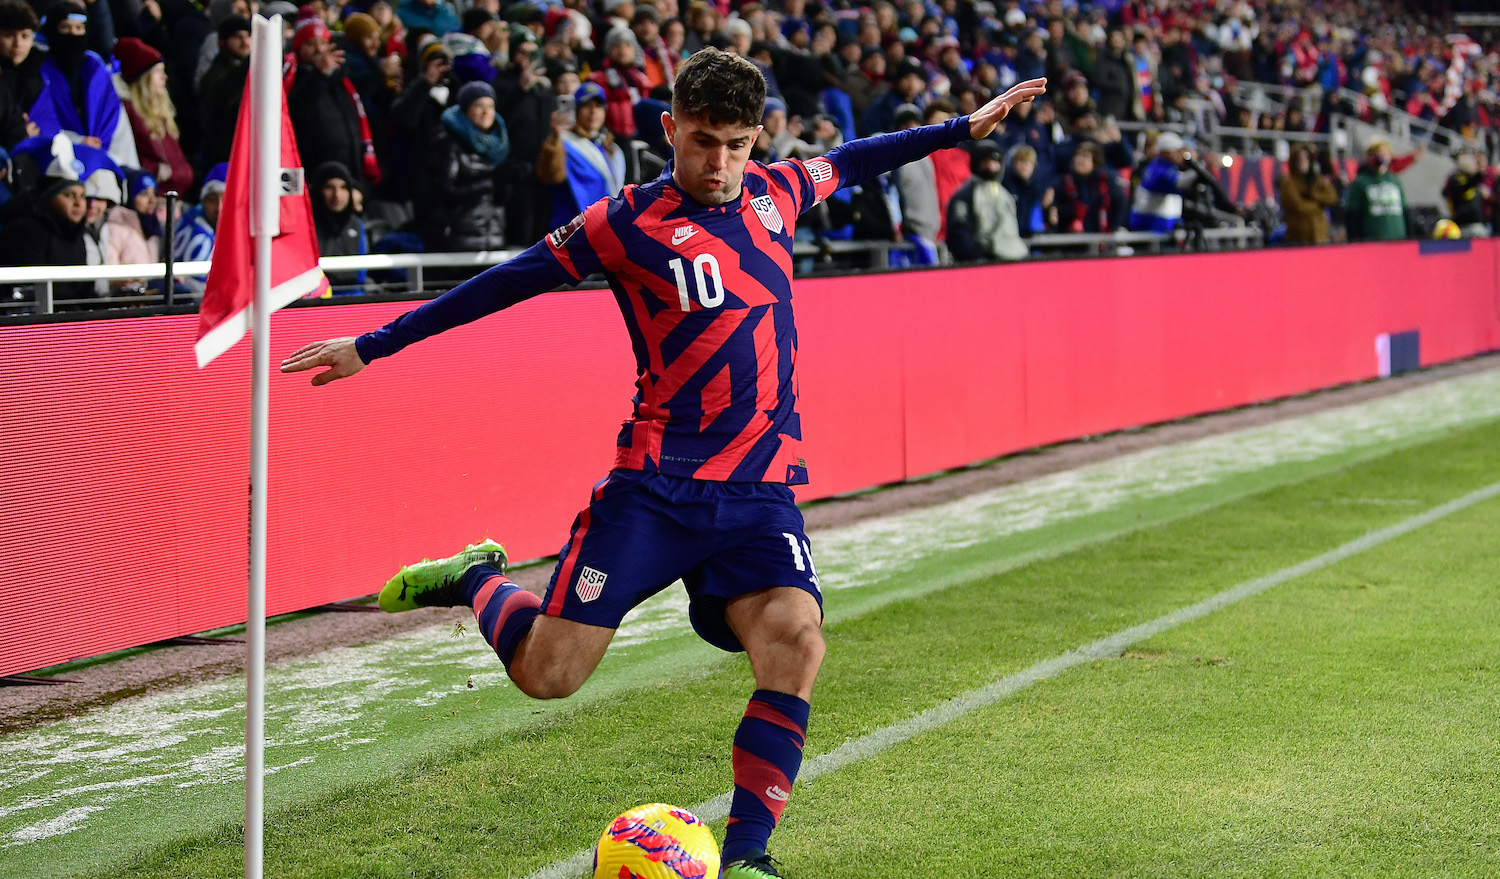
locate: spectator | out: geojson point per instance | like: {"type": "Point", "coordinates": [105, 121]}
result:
{"type": "Point", "coordinates": [222, 88]}
{"type": "Point", "coordinates": [1075, 98]}
{"type": "Point", "coordinates": [376, 77]}
{"type": "Point", "coordinates": [1375, 202]}
{"type": "Point", "coordinates": [341, 231]}
{"type": "Point", "coordinates": [1305, 194]}
{"type": "Point", "coordinates": [414, 117]}
{"type": "Point", "coordinates": [982, 215]}
{"type": "Point", "coordinates": [193, 238]}
{"type": "Point", "coordinates": [327, 114]}
{"type": "Point", "coordinates": [218, 11]}
{"type": "Point", "coordinates": [1158, 198]}
{"type": "Point", "coordinates": [1111, 143]}
{"type": "Point", "coordinates": [78, 95]}
{"type": "Point", "coordinates": [866, 83]}
{"type": "Point", "coordinates": [1467, 196]}
{"type": "Point", "coordinates": [1114, 75]}
{"type": "Point", "coordinates": [153, 119]}
{"type": "Point", "coordinates": [434, 16]}
{"type": "Point", "coordinates": [484, 26]}
{"type": "Point", "coordinates": [950, 166]}
{"type": "Point", "coordinates": [1088, 198]}
{"type": "Point", "coordinates": [467, 152]}
{"type": "Point", "coordinates": [581, 161]}
{"type": "Point", "coordinates": [776, 140]}
{"type": "Point", "coordinates": [1035, 211]}
{"type": "Point", "coordinates": [135, 230]}
{"type": "Point", "coordinates": [916, 184]}
{"type": "Point", "coordinates": [526, 102]}
{"type": "Point", "coordinates": [48, 225]}
{"type": "Point", "coordinates": [658, 62]}
{"type": "Point", "coordinates": [179, 35]}
{"type": "Point", "coordinates": [20, 72]}
{"type": "Point", "coordinates": [623, 82]}
{"type": "Point", "coordinates": [101, 188]}
{"type": "Point", "coordinates": [911, 80]}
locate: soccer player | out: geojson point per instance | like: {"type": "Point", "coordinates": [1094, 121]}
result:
{"type": "Point", "coordinates": [700, 262]}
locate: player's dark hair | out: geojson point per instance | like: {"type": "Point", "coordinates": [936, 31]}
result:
{"type": "Point", "coordinates": [719, 89]}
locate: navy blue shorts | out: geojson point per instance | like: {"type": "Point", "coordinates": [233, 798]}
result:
{"type": "Point", "coordinates": [642, 532]}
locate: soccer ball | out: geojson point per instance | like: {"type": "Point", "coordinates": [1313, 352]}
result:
{"type": "Point", "coordinates": [656, 841]}
{"type": "Point", "coordinates": [1446, 228]}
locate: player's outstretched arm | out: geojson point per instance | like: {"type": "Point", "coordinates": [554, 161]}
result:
{"type": "Point", "coordinates": [533, 272]}
{"type": "Point", "coordinates": [983, 121]}
{"type": "Point", "coordinates": [339, 355]}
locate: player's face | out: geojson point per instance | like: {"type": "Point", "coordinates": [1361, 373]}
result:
{"type": "Point", "coordinates": [709, 159]}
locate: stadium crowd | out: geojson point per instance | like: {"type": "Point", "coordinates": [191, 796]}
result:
{"type": "Point", "coordinates": [426, 126]}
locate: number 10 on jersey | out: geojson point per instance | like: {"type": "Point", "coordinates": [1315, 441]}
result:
{"type": "Point", "coordinates": [705, 267]}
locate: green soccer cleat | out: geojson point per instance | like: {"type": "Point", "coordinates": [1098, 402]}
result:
{"type": "Point", "coordinates": [760, 867]}
{"type": "Point", "coordinates": [438, 583]}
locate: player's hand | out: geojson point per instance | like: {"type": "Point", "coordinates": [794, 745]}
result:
{"type": "Point", "coordinates": [337, 354]}
{"type": "Point", "coordinates": [984, 120]}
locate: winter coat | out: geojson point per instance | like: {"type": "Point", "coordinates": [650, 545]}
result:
{"type": "Point", "coordinates": [623, 87]}
{"type": "Point", "coordinates": [324, 119]}
{"type": "Point", "coordinates": [468, 212]}
{"type": "Point", "coordinates": [128, 245]}
{"type": "Point", "coordinates": [438, 18]}
{"type": "Point", "coordinates": [220, 92]}
{"type": "Point", "coordinates": [1114, 76]}
{"type": "Point", "coordinates": [1305, 200]}
{"type": "Point", "coordinates": [156, 152]}
{"type": "Point", "coordinates": [982, 223]}
{"type": "Point", "coordinates": [1375, 206]}
{"type": "Point", "coordinates": [39, 237]}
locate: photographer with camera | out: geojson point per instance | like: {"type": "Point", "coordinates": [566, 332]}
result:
{"type": "Point", "coordinates": [1306, 193]}
{"type": "Point", "coordinates": [1159, 197]}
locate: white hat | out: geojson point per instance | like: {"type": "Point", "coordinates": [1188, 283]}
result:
{"type": "Point", "coordinates": [1169, 141]}
{"type": "Point", "coordinates": [1014, 17]}
{"type": "Point", "coordinates": [104, 184]}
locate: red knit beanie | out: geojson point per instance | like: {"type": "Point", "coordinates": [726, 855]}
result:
{"type": "Point", "coordinates": [135, 58]}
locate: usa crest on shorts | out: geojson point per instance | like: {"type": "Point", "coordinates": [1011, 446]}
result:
{"type": "Point", "coordinates": [770, 217]}
{"type": "Point", "coordinates": [590, 584]}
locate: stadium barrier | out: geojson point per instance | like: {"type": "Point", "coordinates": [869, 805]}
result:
{"type": "Point", "coordinates": [123, 467]}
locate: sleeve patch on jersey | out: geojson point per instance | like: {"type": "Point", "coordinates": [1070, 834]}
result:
{"type": "Point", "coordinates": [770, 217]}
{"type": "Point", "coordinates": [561, 234]}
{"type": "Point", "coordinates": [820, 170]}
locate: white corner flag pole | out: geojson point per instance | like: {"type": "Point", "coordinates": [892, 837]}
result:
{"type": "Point", "coordinates": [265, 190]}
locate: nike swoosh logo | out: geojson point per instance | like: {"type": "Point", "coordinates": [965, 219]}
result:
{"type": "Point", "coordinates": [678, 237]}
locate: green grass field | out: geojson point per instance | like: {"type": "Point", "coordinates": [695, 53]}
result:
{"type": "Point", "coordinates": [1340, 723]}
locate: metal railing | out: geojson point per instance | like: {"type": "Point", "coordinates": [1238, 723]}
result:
{"type": "Point", "coordinates": [1111, 244]}
{"type": "Point", "coordinates": [43, 279]}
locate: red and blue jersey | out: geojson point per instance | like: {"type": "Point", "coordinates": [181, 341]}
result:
{"type": "Point", "coordinates": [706, 294]}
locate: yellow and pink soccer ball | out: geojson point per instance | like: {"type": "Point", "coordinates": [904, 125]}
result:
{"type": "Point", "coordinates": [1446, 228]}
{"type": "Point", "coordinates": [656, 841]}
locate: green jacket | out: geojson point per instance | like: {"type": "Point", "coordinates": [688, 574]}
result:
{"type": "Point", "coordinates": [1375, 207]}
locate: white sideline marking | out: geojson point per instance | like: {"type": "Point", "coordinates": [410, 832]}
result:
{"type": "Point", "coordinates": [1107, 647]}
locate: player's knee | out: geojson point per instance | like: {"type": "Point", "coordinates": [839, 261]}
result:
{"type": "Point", "coordinates": [806, 646]}
{"type": "Point", "coordinates": [546, 680]}
{"type": "Point", "coordinates": [547, 683]}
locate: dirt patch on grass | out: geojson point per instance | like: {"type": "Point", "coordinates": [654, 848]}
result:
{"type": "Point", "coordinates": [301, 635]}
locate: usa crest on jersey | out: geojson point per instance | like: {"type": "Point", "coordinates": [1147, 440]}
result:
{"type": "Point", "coordinates": [770, 217]}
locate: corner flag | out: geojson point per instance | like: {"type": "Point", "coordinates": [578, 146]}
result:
{"type": "Point", "coordinates": [224, 316]}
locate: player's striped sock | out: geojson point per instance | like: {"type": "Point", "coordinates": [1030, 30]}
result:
{"type": "Point", "coordinates": [767, 755]}
{"type": "Point", "coordinates": [504, 610]}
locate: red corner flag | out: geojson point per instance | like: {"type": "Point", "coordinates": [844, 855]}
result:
{"type": "Point", "coordinates": [224, 316]}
